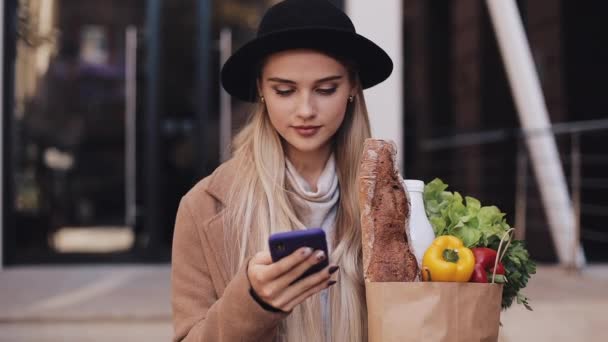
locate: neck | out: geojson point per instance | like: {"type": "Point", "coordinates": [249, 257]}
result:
{"type": "Point", "coordinates": [309, 165]}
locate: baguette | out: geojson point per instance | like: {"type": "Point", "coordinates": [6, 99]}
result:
{"type": "Point", "coordinates": [384, 208]}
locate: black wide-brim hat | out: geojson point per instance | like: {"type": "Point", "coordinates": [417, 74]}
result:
{"type": "Point", "coordinates": [304, 24]}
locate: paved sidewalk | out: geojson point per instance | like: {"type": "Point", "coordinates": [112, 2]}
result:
{"type": "Point", "coordinates": [567, 307]}
{"type": "Point", "coordinates": [85, 303]}
{"type": "Point", "coordinates": [131, 303]}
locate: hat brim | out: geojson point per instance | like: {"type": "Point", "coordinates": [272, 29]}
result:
{"type": "Point", "coordinates": [239, 73]}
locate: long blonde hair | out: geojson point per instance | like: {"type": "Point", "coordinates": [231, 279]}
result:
{"type": "Point", "coordinates": [259, 205]}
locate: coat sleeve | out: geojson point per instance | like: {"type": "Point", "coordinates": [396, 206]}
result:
{"type": "Point", "coordinates": [198, 313]}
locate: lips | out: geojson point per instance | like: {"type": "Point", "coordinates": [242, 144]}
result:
{"type": "Point", "coordinates": [307, 131]}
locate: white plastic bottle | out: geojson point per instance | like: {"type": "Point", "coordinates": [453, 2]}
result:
{"type": "Point", "coordinates": [421, 232]}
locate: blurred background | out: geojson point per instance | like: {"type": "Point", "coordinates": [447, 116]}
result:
{"type": "Point", "coordinates": [112, 110]}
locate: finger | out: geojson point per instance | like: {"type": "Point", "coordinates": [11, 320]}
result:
{"type": "Point", "coordinates": [287, 263]}
{"type": "Point", "coordinates": [294, 291]}
{"type": "Point", "coordinates": [262, 258]}
{"type": "Point", "coordinates": [309, 293]}
{"type": "Point", "coordinates": [256, 267]}
{"type": "Point", "coordinates": [298, 270]}
{"type": "Point", "coordinates": [280, 284]}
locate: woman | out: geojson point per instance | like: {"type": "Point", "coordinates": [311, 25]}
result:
{"type": "Point", "coordinates": [294, 167]}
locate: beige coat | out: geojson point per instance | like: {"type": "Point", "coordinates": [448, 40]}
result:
{"type": "Point", "coordinates": [208, 305]}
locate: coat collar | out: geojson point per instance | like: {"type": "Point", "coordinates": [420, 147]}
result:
{"type": "Point", "coordinates": [221, 180]}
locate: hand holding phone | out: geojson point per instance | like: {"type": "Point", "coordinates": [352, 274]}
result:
{"type": "Point", "coordinates": [281, 284]}
{"type": "Point", "coordinates": [284, 244]}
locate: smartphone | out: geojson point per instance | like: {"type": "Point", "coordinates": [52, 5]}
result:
{"type": "Point", "coordinates": [284, 244]}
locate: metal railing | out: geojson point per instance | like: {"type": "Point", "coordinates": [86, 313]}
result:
{"type": "Point", "coordinates": [572, 162]}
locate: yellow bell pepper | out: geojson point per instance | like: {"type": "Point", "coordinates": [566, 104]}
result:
{"type": "Point", "coordinates": [447, 260]}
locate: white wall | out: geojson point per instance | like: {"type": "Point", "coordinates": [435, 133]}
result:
{"type": "Point", "coordinates": [382, 22]}
{"type": "Point", "coordinates": [1, 130]}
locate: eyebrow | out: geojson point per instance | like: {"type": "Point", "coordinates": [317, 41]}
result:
{"type": "Point", "coordinates": [325, 79]}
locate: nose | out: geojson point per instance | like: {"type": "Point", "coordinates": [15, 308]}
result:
{"type": "Point", "coordinates": [306, 109]}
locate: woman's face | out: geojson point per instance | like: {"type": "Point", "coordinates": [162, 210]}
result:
{"type": "Point", "coordinates": [306, 94]}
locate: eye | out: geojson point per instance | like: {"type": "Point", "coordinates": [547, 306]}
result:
{"type": "Point", "coordinates": [326, 91]}
{"type": "Point", "coordinates": [284, 92]}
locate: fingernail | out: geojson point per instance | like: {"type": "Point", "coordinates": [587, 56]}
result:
{"type": "Point", "coordinates": [320, 255]}
{"type": "Point", "coordinates": [331, 282]}
{"type": "Point", "coordinates": [306, 251]}
{"type": "Point", "coordinates": [333, 269]}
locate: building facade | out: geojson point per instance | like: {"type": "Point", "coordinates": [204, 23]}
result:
{"type": "Point", "coordinates": [461, 122]}
{"type": "Point", "coordinates": [112, 110]}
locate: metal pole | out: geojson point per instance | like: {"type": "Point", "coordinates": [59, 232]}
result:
{"type": "Point", "coordinates": [204, 49]}
{"type": "Point", "coordinates": [2, 213]}
{"type": "Point", "coordinates": [130, 125]}
{"type": "Point", "coordinates": [533, 116]}
{"type": "Point", "coordinates": [225, 99]}
{"type": "Point", "coordinates": [521, 192]}
{"type": "Point", "coordinates": [152, 119]}
{"type": "Point", "coordinates": [575, 156]}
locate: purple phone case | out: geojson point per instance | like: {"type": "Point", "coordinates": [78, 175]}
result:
{"type": "Point", "coordinates": [284, 244]}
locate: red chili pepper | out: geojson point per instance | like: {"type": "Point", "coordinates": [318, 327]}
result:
{"type": "Point", "coordinates": [484, 263]}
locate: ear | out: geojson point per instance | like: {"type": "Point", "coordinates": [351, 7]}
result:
{"type": "Point", "coordinates": [258, 83]}
{"type": "Point", "coordinates": [353, 91]}
{"type": "Point", "coordinates": [354, 86]}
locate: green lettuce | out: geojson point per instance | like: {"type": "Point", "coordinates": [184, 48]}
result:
{"type": "Point", "coordinates": [479, 226]}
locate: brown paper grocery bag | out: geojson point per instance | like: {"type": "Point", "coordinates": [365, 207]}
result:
{"type": "Point", "coordinates": [433, 311]}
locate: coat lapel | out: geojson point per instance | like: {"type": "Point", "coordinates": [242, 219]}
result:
{"type": "Point", "coordinates": [215, 242]}
{"type": "Point", "coordinates": [215, 236]}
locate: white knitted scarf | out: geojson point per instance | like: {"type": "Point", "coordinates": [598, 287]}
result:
{"type": "Point", "coordinates": [316, 209]}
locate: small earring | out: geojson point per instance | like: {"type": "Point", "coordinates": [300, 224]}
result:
{"type": "Point", "coordinates": [351, 98]}
{"type": "Point", "coordinates": [262, 99]}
